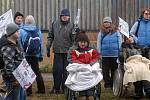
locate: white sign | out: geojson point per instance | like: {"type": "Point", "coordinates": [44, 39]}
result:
{"type": "Point", "coordinates": [5, 19]}
{"type": "Point", "coordinates": [24, 74]}
{"type": "Point", "coordinates": [124, 27]}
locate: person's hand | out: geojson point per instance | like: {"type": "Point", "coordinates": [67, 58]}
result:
{"type": "Point", "coordinates": [48, 53]}
{"type": "Point", "coordinates": [40, 59]}
{"type": "Point", "coordinates": [130, 40]}
{"type": "Point", "coordinates": [15, 83]}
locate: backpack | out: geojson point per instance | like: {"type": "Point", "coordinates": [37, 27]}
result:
{"type": "Point", "coordinates": [32, 45]}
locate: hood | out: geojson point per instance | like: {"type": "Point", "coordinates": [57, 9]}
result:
{"type": "Point", "coordinates": [30, 28]}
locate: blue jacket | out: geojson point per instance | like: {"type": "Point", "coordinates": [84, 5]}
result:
{"type": "Point", "coordinates": [23, 35]}
{"type": "Point", "coordinates": [143, 35]}
{"type": "Point", "coordinates": [109, 46]}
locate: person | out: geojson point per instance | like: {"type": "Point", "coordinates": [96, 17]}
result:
{"type": "Point", "coordinates": [84, 55]}
{"type": "Point", "coordinates": [108, 45]}
{"type": "Point", "coordinates": [31, 40]}
{"type": "Point", "coordinates": [62, 38]}
{"type": "Point", "coordinates": [130, 50]}
{"type": "Point", "coordinates": [140, 31]}
{"type": "Point", "coordinates": [140, 34]}
{"type": "Point", "coordinates": [18, 19]}
{"type": "Point", "coordinates": [12, 55]}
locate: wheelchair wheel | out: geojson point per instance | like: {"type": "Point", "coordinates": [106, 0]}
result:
{"type": "Point", "coordinates": [118, 82]}
{"type": "Point", "coordinates": [97, 93]}
{"type": "Point", "coordinates": [70, 95]}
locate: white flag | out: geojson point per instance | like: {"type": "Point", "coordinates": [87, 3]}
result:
{"type": "Point", "coordinates": [5, 19]}
{"type": "Point", "coordinates": [24, 74]}
{"type": "Point", "coordinates": [124, 27]}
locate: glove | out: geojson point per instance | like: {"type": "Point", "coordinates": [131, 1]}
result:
{"type": "Point", "coordinates": [48, 53]}
{"type": "Point", "coordinates": [40, 59]}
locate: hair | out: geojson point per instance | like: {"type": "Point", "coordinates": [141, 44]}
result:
{"type": "Point", "coordinates": [30, 20]}
{"type": "Point", "coordinates": [105, 30]}
{"type": "Point", "coordinates": [143, 11]}
{"type": "Point", "coordinates": [81, 36]}
{"type": "Point", "coordinates": [18, 14]}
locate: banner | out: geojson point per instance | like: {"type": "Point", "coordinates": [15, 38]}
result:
{"type": "Point", "coordinates": [5, 19]}
{"type": "Point", "coordinates": [24, 74]}
{"type": "Point", "coordinates": [124, 27]}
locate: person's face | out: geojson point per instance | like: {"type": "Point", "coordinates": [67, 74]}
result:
{"type": "Point", "coordinates": [107, 24]}
{"type": "Point", "coordinates": [16, 35]}
{"type": "Point", "coordinates": [65, 18]}
{"type": "Point", "coordinates": [146, 15]}
{"type": "Point", "coordinates": [83, 44]}
{"type": "Point", "coordinates": [19, 20]}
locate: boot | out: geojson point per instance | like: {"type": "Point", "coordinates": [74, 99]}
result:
{"type": "Point", "coordinates": [90, 98]}
{"type": "Point", "coordinates": [82, 98]}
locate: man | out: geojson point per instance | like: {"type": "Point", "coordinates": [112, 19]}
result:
{"type": "Point", "coordinates": [62, 38]}
{"type": "Point", "coordinates": [31, 40]}
{"type": "Point", "coordinates": [18, 19]}
{"type": "Point", "coordinates": [12, 55]}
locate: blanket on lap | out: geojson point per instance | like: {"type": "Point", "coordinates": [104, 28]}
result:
{"type": "Point", "coordinates": [83, 76]}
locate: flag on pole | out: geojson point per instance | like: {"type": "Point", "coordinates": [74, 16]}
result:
{"type": "Point", "coordinates": [123, 27]}
{"type": "Point", "coordinates": [5, 19]}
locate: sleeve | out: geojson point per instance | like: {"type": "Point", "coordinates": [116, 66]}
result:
{"type": "Point", "coordinates": [41, 43]}
{"type": "Point", "coordinates": [99, 42]}
{"type": "Point", "coordinates": [50, 38]}
{"type": "Point", "coordinates": [95, 56]}
{"type": "Point", "coordinates": [133, 30]}
{"type": "Point", "coordinates": [9, 61]}
{"type": "Point", "coordinates": [119, 39]}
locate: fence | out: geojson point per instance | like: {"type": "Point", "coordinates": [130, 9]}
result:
{"type": "Point", "coordinates": [92, 11]}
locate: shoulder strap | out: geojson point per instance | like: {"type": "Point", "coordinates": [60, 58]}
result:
{"type": "Point", "coordinates": [136, 33]}
{"type": "Point", "coordinates": [103, 37]}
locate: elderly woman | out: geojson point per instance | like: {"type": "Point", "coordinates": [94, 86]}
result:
{"type": "Point", "coordinates": [31, 40]}
{"type": "Point", "coordinates": [108, 44]}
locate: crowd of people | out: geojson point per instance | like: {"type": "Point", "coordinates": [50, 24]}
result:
{"type": "Point", "coordinates": [18, 44]}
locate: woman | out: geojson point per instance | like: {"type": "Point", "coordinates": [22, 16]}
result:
{"type": "Point", "coordinates": [108, 45]}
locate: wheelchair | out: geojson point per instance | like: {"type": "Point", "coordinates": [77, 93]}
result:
{"type": "Point", "coordinates": [74, 95]}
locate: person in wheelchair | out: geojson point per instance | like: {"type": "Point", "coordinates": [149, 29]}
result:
{"type": "Point", "coordinates": [136, 67]}
{"type": "Point", "coordinates": [84, 69]}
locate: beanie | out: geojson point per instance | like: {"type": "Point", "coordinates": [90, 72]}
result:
{"type": "Point", "coordinates": [11, 29]}
{"type": "Point", "coordinates": [65, 12]}
{"type": "Point", "coordinates": [107, 19]}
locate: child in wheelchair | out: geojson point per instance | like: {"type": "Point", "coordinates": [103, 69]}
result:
{"type": "Point", "coordinates": [136, 67]}
{"type": "Point", "coordinates": [84, 69]}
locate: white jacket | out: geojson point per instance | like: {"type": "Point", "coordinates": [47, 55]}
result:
{"type": "Point", "coordinates": [137, 68]}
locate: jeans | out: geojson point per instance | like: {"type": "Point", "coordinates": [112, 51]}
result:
{"type": "Point", "coordinates": [59, 70]}
{"type": "Point", "coordinates": [14, 93]}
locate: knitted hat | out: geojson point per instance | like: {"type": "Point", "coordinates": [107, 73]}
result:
{"type": "Point", "coordinates": [11, 29]}
{"type": "Point", "coordinates": [107, 19]}
{"type": "Point", "coordinates": [65, 12]}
